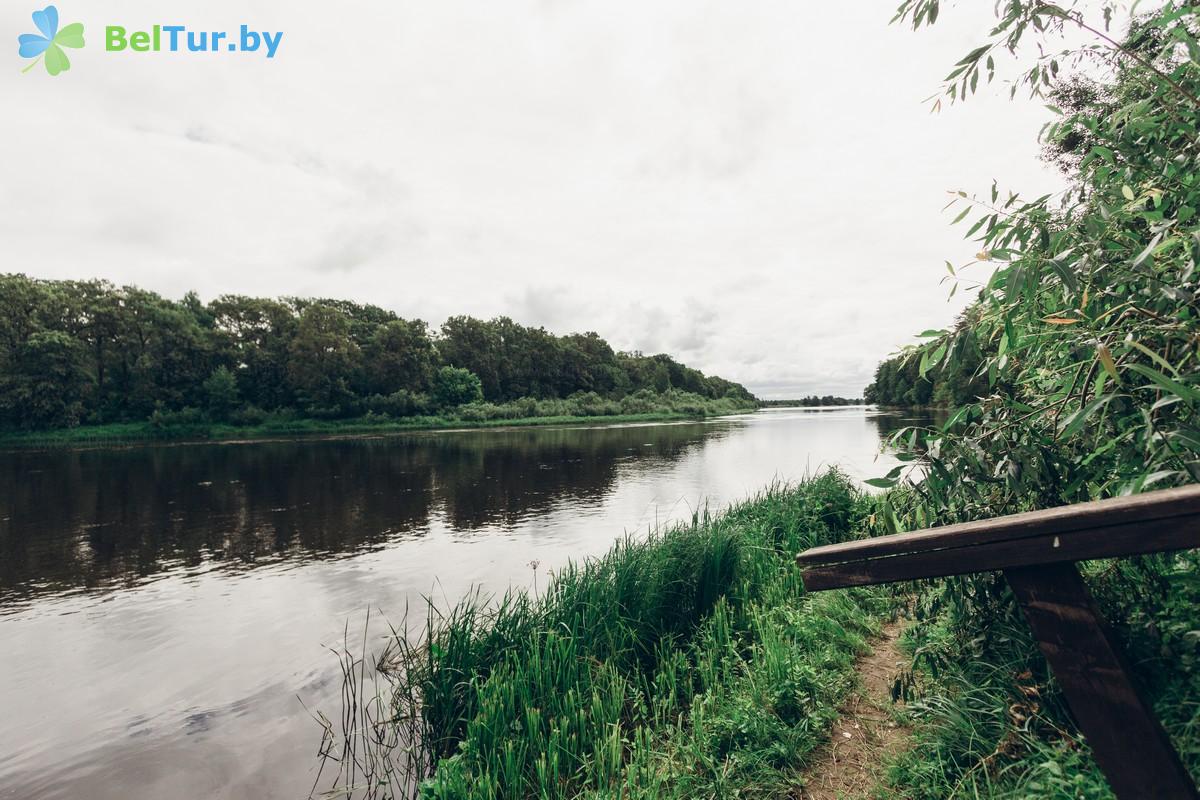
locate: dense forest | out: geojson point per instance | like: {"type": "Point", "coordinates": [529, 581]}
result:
{"type": "Point", "coordinates": [88, 352]}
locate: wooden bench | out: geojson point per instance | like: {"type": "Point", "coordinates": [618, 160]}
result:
{"type": "Point", "coordinates": [1036, 551]}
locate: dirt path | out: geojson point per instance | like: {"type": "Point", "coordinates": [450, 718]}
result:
{"type": "Point", "coordinates": [865, 734]}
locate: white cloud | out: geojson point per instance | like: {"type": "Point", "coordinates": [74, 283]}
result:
{"type": "Point", "coordinates": [754, 187]}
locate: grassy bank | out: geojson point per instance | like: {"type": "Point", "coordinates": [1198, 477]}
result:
{"type": "Point", "coordinates": [135, 432]}
{"type": "Point", "coordinates": [483, 415]}
{"type": "Point", "coordinates": [690, 664]}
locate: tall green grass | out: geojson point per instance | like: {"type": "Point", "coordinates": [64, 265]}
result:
{"type": "Point", "coordinates": [991, 721]}
{"type": "Point", "coordinates": [689, 663]}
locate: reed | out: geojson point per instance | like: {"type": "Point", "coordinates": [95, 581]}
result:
{"type": "Point", "coordinates": [689, 661]}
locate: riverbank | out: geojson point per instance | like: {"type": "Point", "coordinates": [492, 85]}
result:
{"type": "Point", "coordinates": [694, 664]}
{"type": "Point", "coordinates": [691, 663]}
{"type": "Point", "coordinates": [143, 432]}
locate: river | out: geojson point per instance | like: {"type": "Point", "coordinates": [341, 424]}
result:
{"type": "Point", "coordinates": [166, 612]}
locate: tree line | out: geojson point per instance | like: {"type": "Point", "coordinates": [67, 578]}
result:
{"type": "Point", "coordinates": [90, 352]}
{"type": "Point", "coordinates": [914, 378]}
{"type": "Point", "coordinates": [812, 401]}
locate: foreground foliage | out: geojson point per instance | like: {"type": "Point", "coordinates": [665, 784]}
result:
{"type": "Point", "coordinates": [1081, 361]}
{"type": "Point", "coordinates": [689, 664]}
{"type": "Point", "coordinates": [992, 722]}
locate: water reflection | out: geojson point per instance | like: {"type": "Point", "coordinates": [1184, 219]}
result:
{"type": "Point", "coordinates": [889, 422]}
{"type": "Point", "coordinates": [76, 520]}
{"type": "Point", "coordinates": [162, 608]}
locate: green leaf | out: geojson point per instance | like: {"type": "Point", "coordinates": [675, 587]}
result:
{"type": "Point", "coordinates": [1155, 357]}
{"type": "Point", "coordinates": [973, 55]}
{"type": "Point", "coordinates": [955, 419]}
{"type": "Point", "coordinates": [888, 481]}
{"type": "Point", "coordinates": [880, 483]}
{"type": "Point", "coordinates": [1072, 424]}
{"type": "Point", "coordinates": [1150, 248]}
{"type": "Point", "coordinates": [1156, 477]}
{"type": "Point", "coordinates": [1187, 393]}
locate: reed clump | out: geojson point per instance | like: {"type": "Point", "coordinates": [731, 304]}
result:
{"type": "Point", "coordinates": [687, 662]}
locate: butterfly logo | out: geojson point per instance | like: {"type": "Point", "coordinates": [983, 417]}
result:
{"type": "Point", "coordinates": [48, 45]}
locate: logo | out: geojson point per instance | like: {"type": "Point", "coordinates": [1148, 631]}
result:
{"type": "Point", "coordinates": [180, 39]}
{"type": "Point", "coordinates": [47, 46]}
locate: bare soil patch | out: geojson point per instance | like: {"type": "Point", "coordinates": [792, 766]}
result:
{"type": "Point", "coordinates": [866, 734]}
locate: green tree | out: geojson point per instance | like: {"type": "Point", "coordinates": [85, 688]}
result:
{"type": "Point", "coordinates": [253, 335]}
{"type": "Point", "coordinates": [221, 393]}
{"type": "Point", "coordinates": [322, 359]}
{"type": "Point", "coordinates": [44, 384]}
{"type": "Point", "coordinates": [474, 345]}
{"type": "Point", "coordinates": [454, 386]}
{"type": "Point", "coordinates": [399, 355]}
{"type": "Point", "coordinates": [588, 364]}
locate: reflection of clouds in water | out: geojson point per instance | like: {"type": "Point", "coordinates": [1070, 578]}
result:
{"type": "Point", "coordinates": [127, 515]}
{"type": "Point", "coordinates": [178, 753]}
{"type": "Point", "coordinates": [203, 612]}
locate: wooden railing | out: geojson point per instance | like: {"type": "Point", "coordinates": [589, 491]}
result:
{"type": "Point", "coordinates": [1036, 551]}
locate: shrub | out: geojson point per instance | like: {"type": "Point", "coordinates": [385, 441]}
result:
{"type": "Point", "coordinates": [164, 418]}
{"type": "Point", "coordinates": [454, 386]}
{"type": "Point", "coordinates": [248, 415]}
{"type": "Point", "coordinates": [402, 403]}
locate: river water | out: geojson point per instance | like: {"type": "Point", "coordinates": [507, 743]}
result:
{"type": "Point", "coordinates": [166, 611]}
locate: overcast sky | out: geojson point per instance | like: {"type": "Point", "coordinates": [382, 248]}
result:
{"type": "Point", "coordinates": [753, 187]}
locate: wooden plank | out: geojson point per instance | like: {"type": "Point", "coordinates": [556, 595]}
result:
{"type": "Point", "coordinates": [1132, 510]}
{"type": "Point", "coordinates": [1155, 536]}
{"type": "Point", "coordinates": [1126, 739]}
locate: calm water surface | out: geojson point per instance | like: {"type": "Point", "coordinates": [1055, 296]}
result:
{"type": "Point", "coordinates": [165, 609]}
